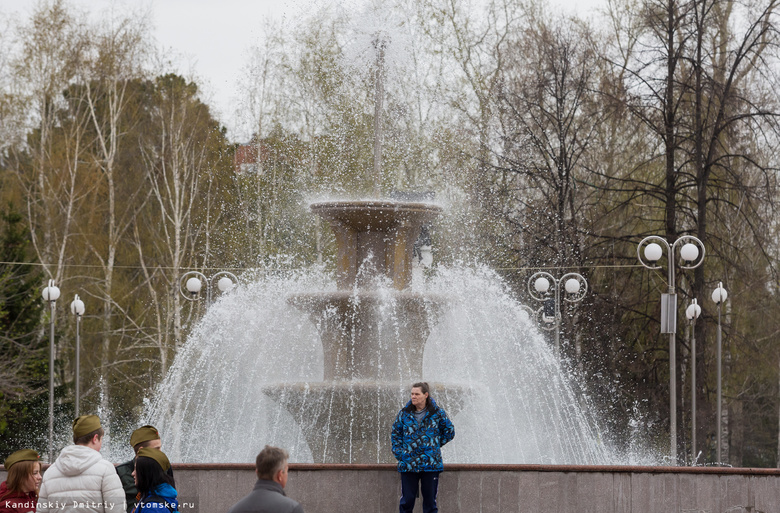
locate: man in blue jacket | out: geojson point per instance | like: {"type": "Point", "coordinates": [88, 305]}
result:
{"type": "Point", "coordinates": [420, 430]}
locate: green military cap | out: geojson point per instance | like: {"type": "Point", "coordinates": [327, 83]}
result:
{"type": "Point", "coordinates": [157, 455]}
{"type": "Point", "coordinates": [23, 455]}
{"type": "Point", "coordinates": [144, 434]}
{"type": "Point", "coordinates": [85, 424]}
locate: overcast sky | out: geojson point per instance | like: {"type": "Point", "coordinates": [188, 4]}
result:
{"type": "Point", "coordinates": [209, 39]}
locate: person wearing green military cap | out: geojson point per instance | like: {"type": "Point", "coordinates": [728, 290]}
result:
{"type": "Point", "coordinates": [80, 480]}
{"type": "Point", "coordinates": [144, 436]}
{"type": "Point", "coordinates": [19, 492]}
{"type": "Point", "coordinates": [155, 486]}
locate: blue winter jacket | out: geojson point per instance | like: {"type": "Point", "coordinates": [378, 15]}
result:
{"type": "Point", "coordinates": [162, 500]}
{"type": "Point", "coordinates": [418, 447]}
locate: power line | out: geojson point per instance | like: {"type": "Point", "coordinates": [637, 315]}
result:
{"type": "Point", "coordinates": [535, 268]}
{"type": "Point", "coordinates": [184, 269]}
{"type": "Point", "coordinates": [95, 266]}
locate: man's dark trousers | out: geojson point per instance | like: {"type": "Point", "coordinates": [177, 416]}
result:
{"type": "Point", "coordinates": [428, 481]}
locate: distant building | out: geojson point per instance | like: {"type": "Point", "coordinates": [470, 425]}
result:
{"type": "Point", "coordinates": [246, 158]}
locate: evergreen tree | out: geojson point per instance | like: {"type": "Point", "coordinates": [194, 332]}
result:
{"type": "Point", "coordinates": [24, 367]}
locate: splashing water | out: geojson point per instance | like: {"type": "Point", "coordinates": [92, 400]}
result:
{"type": "Point", "coordinates": [375, 25]}
{"type": "Point", "coordinates": [519, 407]}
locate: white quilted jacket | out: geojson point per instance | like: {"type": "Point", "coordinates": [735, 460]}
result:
{"type": "Point", "coordinates": [81, 481]}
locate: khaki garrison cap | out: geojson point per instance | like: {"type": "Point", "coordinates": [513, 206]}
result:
{"type": "Point", "coordinates": [144, 434]}
{"type": "Point", "coordinates": [22, 455]}
{"type": "Point", "coordinates": [157, 455]}
{"type": "Point", "coordinates": [85, 424]}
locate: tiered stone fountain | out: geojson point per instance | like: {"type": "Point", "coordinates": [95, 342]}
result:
{"type": "Point", "coordinates": [253, 362]}
{"type": "Point", "coordinates": [368, 366]}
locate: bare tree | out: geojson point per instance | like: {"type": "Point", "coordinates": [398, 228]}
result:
{"type": "Point", "coordinates": [118, 51]}
{"type": "Point", "coordinates": [178, 153]}
{"type": "Point", "coordinates": [52, 48]}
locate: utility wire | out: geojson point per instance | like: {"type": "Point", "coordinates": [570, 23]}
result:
{"type": "Point", "coordinates": [95, 266]}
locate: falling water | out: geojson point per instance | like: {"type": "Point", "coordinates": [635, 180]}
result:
{"type": "Point", "coordinates": [518, 406]}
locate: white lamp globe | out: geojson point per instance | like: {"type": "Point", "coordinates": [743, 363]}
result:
{"type": "Point", "coordinates": [194, 285]}
{"type": "Point", "coordinates": [719, 295]}
{"type": "Point", "coordinates": [653, 252]}
{"type": "Point", "coordinates": [542, 284]}
{"type": "Point", "coordinates": [224, 284]}
{"type": "Point", "coordinates": [524, 316]}
{"type": "Point", "coordinates": [689, 252]}
{"type": "Point", "coordinates": [77, 306]}
{"type": "Point", "coordinates": [693, 311]}
{"type": "Point", "coordinates": [426, 256]}
{"type": "Point", "coordinates": [572, 285]}
{"type": "Point", "coordinates": [51, 293]}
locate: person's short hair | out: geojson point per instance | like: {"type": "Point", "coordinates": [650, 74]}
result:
{"type": "Point", "coordinates": [140, 445]}
{"type": "Point", "coordinates": [85, 439]}
{"type": "Point", "coordinates": [18, 474]}
{"type": "Point", "coordinates": [270, 461]}
{"type": "Point", "coordinates": [423, 386]}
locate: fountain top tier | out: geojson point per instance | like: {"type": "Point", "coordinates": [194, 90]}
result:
{"type": "Point", "coordinates": [375, 238]}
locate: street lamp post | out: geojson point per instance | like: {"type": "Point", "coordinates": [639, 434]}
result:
{"type": "Point", "coordinates": [692, 313]}
{"type": "Point", "coordinates": [692, 253]}
{"type": "Point", "coordinates": [51, 293]}
{"type": "Point", "coordinates": [719, 295]}
{"type": "Point", "coordinates": [77, 308]}
{"type": "Point", "coordinates": [539, 287]}
{"type": "Point", "coordinates": [526, 313]}
{"type": "Point", "coordinates": [193, 281]}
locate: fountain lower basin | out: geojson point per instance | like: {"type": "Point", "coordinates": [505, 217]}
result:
{"type": "Point", "coordinates": [350, 421]}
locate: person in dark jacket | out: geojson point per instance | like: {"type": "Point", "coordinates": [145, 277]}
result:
{"type": "Point", "coordinates": [268, 494]}
{"type": "Point", "coordinates": [19, 492]}
{"type": "Point", "coordinates": [155, 486]}
{"type": "Point", "coordinates": [144, 436]}
{"type": "Point", "coordinates": [420, 430]}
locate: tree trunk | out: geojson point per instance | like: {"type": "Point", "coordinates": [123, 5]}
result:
{"type": "Point", "coordinates": [737, 432]}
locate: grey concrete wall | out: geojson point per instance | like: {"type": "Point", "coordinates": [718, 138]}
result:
{"type": "Point", "coordinates": [496, 489]}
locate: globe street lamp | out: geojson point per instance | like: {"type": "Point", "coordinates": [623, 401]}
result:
{"type": "Point", "coordinates": [193, 281]}
{"type": "Point", "coordinates": [77, 308]}
{"type": "Point", "coordinates": [525, 314]}
{"type": "Point", "coordinates": [719, 295]}
{"type": "Point", "coordinates": [422, 258]}
{"type": "Point", "coordinates": [692, 254]}
{"type": "Point", "coordinates": [545, 288]}
{"type": "Point", "coordinates": [426, 256]}
{"type": "Point", "coordinates": [692, 313]}
{"type": "Point", "coordinates": [51, 293]}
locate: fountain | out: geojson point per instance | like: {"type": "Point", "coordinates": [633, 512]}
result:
{"type": "Point", "coordinates": [323, 372]}
{"type": "Point", "coordinates": [364, 367]}
{"type": "Point", "coordinates": [321, 367]}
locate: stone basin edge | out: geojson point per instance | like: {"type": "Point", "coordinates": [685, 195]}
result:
{"type": "Point", "coordinates": [461, 467]}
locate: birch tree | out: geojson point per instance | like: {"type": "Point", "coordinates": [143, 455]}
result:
{"type": "Point", "coordinates": [52, 48]}
{"type": "Point", "coordinates": [180, 153]}
{"type": "Point", "coordinates": [107, 95]}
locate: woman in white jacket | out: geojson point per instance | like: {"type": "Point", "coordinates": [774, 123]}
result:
{"type": "Point", "coordinates": [81, 480]}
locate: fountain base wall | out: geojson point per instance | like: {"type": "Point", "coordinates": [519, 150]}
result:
{"type": "Point", "coordinates": [327, 488]}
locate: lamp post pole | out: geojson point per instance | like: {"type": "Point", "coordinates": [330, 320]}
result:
{"type": "Point", "coordinates": [692, 313]}
{"type": "Point", "coordinates": [51, 293]}
{"type": "Point", "coordinates": [77, 308]}
{"type": "Point", "coordinates": [692, 251]}
{"type": "Point", "coordinates": [539, 287]}
{"type": "Point", "coordinates": [193, 281]}
{"type": "Point", "coordinates": [719, 295]}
